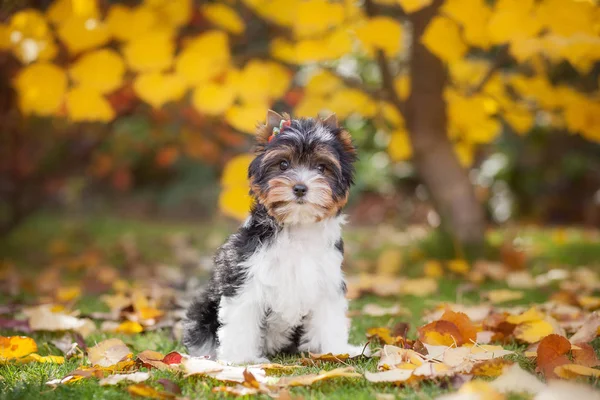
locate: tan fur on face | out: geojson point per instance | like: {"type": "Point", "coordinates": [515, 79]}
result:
{"type": "Point", "coordinates": [346, 140]}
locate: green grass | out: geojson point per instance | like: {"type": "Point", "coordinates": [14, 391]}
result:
{"type": "Point", "coordinates": [27, 249]}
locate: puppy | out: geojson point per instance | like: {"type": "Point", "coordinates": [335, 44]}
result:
{"type": "Point", "coordinates": [277, 285]}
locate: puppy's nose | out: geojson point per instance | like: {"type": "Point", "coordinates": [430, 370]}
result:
{"type": "Point", "coordinates": [300, 190]}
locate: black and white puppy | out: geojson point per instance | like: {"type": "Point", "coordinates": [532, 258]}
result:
{"type": "Point", "coordinates": [278, 285]}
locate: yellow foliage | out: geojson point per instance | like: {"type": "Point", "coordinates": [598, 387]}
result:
{"type": "Point", "coordinates": [399, 147]}
{"type": "Point", "coordinates": [347, 101]}
{"type": "Point", "coordinates": [157, 88]}
{"type": "Point", "coordinates": [323, 83]}
{"type": "Point", "coordinates": [519, 117]}
{"type": "Point", "coordinates": [86, 104]}
{"type": "Point", "coordinates": [29, 36]}
{"type": "Point", "coordinates": [473, 16]}
{"type": "Point", "coordinates": [244, 117]}
{"type": "Point", "coordinates": [465, 153]}
{"type": "Point", "coordinates": [391, 115]}
{"type": "Point", "coordinates": [224, 17]}
{"type": "Point", "coordinates": [569, 17]}
{"type": "Point", "coordinates": [61, 10]}
{"type": "Point", "coordinates": [389, 262]}
{"type": "Point", "coordinates": [442, 38]}
{"type": "Point", "coordinates": [583, 116]}
{"type": "Point", "coordinates": [100, 70]}
{"type": "Point", "coordinates": [235, 200]}
{"type": "Point", "coordinates": [262, 81]}
{"type": "Point", "coordinates": [82, 33]}
{"type": "Point", "coordinates": [466, 73]}
{"type": "Point", "coordinates": [281, 12]}
{"type": "Point", "coordinates": [402, 86]}
{"type": "Point", "coordinates": [172, 13]}
{"type": "Point", "coordinates": [127, 23]}
{"type": "Point", "coordinates": [16, 347]}
{"type": "Point", "coordinates": [330, 47]}
{"type": "Point", "coordinates": [314, 17]}
{"type": "Point", "coordinates": [204, 57]}
{"type": "Point", "coordinates": [381, 33]}
{"type": "Point", "coordinates": [41, 87]}
{"type": "Point", "coordinates": [513, 20]}
{"type": "Point", "coordinates": [459, 266]}
{"type": "Point", "coordinates": [410, 6]}
{"type": "Point", "coordinates": [150, 52]}
{"type": "Point", "coordinates": [213, 98]}
{"type": "Point", "coordinates": [470, 117]}
{"type": "Point", "coordinates": [312, 105]}
{"type": "Point", "coordinates": [29, 23]}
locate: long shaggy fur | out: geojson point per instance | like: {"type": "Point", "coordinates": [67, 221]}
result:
{"type": "Point", "coordinates": [277, 285]}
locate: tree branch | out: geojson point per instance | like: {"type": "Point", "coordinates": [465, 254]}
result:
{"type": "Point", "coordinates": [501, 58]}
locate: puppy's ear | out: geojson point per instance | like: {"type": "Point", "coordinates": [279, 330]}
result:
{"type": "Point", "coordinates": [265, 130]}
{"type": "Point", "coordinates": [331, 122]}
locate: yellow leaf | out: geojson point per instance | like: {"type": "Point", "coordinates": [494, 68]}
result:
{"type": "Point", "coordinates": [307, 380]}
{"type": "Point", "coordinates": [245, 117]}
{"type": "Point", "coordinates": [82, 33]}
{"type": "Point", "coordinates": [574, 371]}
{"type": "Point", "coordinates": [42, 360]}
{"type": "Point", "coordinates": [399, 147]}
{"type": "Point", "coordinates": [129, 327]}
{"type": "Point", "coordinates": [568, 18]}
{"type": "Point", "coordinates": [224, 17]}
{"type": "Point", "coordinates": [583, 116]}
{"type": "Point", "coordinates": [150, 52]}
{"type": "Point", "coordinates": [419, 287]}
{"type": "Point", "coordinates": [473, 16]}
{"type": "Point", "coordinates": [459, 266]}
{"type": "Point", "coordinates": [29, 37]}
{"type": "Point", "coordinates": [235, 200]}
{"type": "Point", "coordinates": [173, 13]}
{"type": "Point", "coordinates": [322, 83]}
{"type": "Point", "coordinates": [5, 42]}
{"type": "Point", "coordinates": [85, 104]}
{"type": "Point", "coordinates": [143, 390]}
{"type": "Point", "coordinates": [392, 116]}
{"type": "Point", "coordinates": [503, 295]}
{"type": "Point", "coordinates": [442, 38]}
{"type": "Point", "coordinates": [347, 101]}
{"type": "Point", "coordinates": [465, 153]}
{"type": "Point", "coordinates": [127, 23]}
{"type": "Point", "coordinates": [204, 57]}
{"type": "Point", "coordinates": [236, 171]}
{"type": "Point", "coordinates": [410, 6]}
{"type": "Point", "coordinates": [262, 81]}
{"type": "Point", "coordinates": [402, 86]}
{"type": "Point", "coordinates": [61, 10]}
{"type": "Point", "coordinates": [100, 70]}
{"type": "Point", "coordinates": [41, 87]}
{"type": "Point", "coordinates": [520, 118]}
{"type": "Point", "coordinates": [310, 106]}
{"type": "Point", "coordinates": [12, 347]}
{"type": "Point", "coordinates": [389, 262]}
{"type": "Point", "coordinates": [213, 99]}
{"type": "Point", "coordinates": [67, 294]}
{"type": "Point", "coordinates": [157, 88]}
{"type": "Point", "coordinates": [29, 23]}
{"type": "Point", "coordinates": [314, 17]}
{"type": "Point", "coordinates": [433, 269]}
{"type": "Point", "coordinates": [329, 47]}
{"type": "Point", "coordinates": [533, 314]}
{"type": "Point", "coordinates": [589, 302]}
{"type": "Point", "coordinates": [513, 20]}
{"type": "Point", "coordinates": [108, 353]}
{"type": "Point", "coordinates": [381, 33]}
{"type": "Point", "coordinates": [534, 331]}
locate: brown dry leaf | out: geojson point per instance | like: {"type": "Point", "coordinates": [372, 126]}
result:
{"type": "Point", "coordinates": [376, 310]}
{"type": "Point", "coordinates": [517, 380]}
{"type": "Point", "coordinates": [504, 295]}
{"type": "Point", "coordinates": [490, 368]}
{"type": "Point", "coordinates": [589, 330]}
{"type": "Point", "coordinates": [440, 333]}
{"type": "Point", "coordinates": [307, 380]}
{"type": "Point", "coordinates": [394, 375]}
{"type": "Point", "coordinates": [275, 367]}
{"type": "Point", "coordinates": [150, 358]}
{"type": "Point", "coordinates": [394, 357]}
{"type": "Point", "coordinates": [203, 366]}
{"type": "Point", "coordinates": [466, 328]}
{"type": "Point", "coordinates": [585, 355]}
{"type": "Point", "coordinates": [136, 377]}
{"type": "Point", "coordinates": [433, 370]}
{"type": "Point", "coordinates": [476, 313]}
{"type": "Point", "coordinates": [78, 374]}
{"type": "Point", "coordinates": [329, 357]}
{"type": "Point", "coordinates": [108, 353]}
{"type": "Point", "coordinates": [551, 353]}
{"type": "Point", "coordinates": [142, 390]}
{"type": "Point", "coordinates": [573, 371]}
{"type": "Point", "coordinates": [13, 347]}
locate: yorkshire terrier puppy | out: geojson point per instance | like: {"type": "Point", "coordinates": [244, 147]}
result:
{"type": "Point", "coordinates": [278, 285]}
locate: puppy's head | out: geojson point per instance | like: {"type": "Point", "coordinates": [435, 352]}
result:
{"type": "Point", "coordinates": [303, 168]}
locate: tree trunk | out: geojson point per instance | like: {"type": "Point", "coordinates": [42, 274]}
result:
{"type": "Point", "coordinates": [448, 182]}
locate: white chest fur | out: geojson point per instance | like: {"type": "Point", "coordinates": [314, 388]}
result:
{"type": "Point", "coordinates": [300, 268]}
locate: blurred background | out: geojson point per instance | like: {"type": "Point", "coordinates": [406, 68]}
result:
{"type": "Point", "coordinates": [469, 115]}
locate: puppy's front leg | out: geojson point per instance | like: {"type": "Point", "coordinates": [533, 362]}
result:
{"type": "Point", "coordinates": [327, 329]}
{"type": "Point", "coordinates": [240, 331]}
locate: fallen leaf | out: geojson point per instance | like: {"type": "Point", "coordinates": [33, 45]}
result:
{"type": "Point", "coordinates": [108, 353]}
{"type": "Point", "coordinates": [42, 318]}
{"type": "Point", "coordinates": [389, 262]}
{"type": "Point", "coordinates": [504, 295]}
{"type": "Point", "coordinates": [329, 357]}
{"type": "Point", "coordinates": [440, 333]}
{"type": "Point", "coordinates": [78, 374]}
{"type": "Point", "coordinates": [150, 358]}
{"type": "Point", "coordinates": [420, 287]}
{"type": "Point", "coordinates": [142, 390]}
{"type": "Point", "coordinates": [573, 371]}
{"type": "Point", "coordinates": [585, 355]}
{"type": "Point", "coordinates": [463, 323]}
{"type": "Point", "coordinates": [490, 368]}
{"type": "Point", "coordinates": [238, 390]}
{"type": "Point", "coordinates": [169, 386]}
{"type": "Point", "coordinates": [515, 379]}
{"type": "Point", "coordinates": [34, 357]}
{"type": "Point", "coordinates": [551, 353]}
{"type": "Point", "coordinates": [13, 347]}
{"type": "Point", "coordinates": [376, 310]}
{"type": "Point", "coordinates": [116, 378]}
{"type": "Point", "coordinates": [203, 366]}
{"type": "Point", "coordinates": [381, 335]}
{"type": "Point", "coordinates": [129, 327]}
{"type": "Point", "coordinates": [394, 375]}
{"type": "Point", "coordinates": [172, 358]}
{"type": "Point", "coordinates": [307, 380]}
{"type": "Point", "coordinates": [534, 331]}
{"type": "Point", "coordinates": [589, 330]}
{"type": "Point", "coordinates": [393, 356]}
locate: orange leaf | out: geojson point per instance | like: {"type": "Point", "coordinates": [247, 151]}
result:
{"type": "Point", "coordinates": [551, 353]}
{"type": "Point", "coordinates": [440, 333]}
{"type": "Point", "coordinates": [16, 346]}
{"type": "Point", "coordinates": [464, 325]}
{"type": "Point", "coordinates": [585, 355]}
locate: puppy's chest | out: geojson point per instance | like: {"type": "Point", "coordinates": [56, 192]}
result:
{"type": "Point", "coordinates": [299, 269]}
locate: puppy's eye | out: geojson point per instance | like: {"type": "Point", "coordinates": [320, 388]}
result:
{"type": "Point", "coordinates": [321, 168]}
{"type": "Point", "coordinates": [283, 165]}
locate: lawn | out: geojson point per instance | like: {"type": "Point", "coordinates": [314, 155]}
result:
{"type": "Point", "coordinates": [74, 261]}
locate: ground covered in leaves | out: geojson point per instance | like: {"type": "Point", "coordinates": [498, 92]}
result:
{"type": "Point", "coordinates": [91, 308]}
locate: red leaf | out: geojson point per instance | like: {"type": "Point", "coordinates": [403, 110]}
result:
{"type": "Point", "coordinates": [172, 358]}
